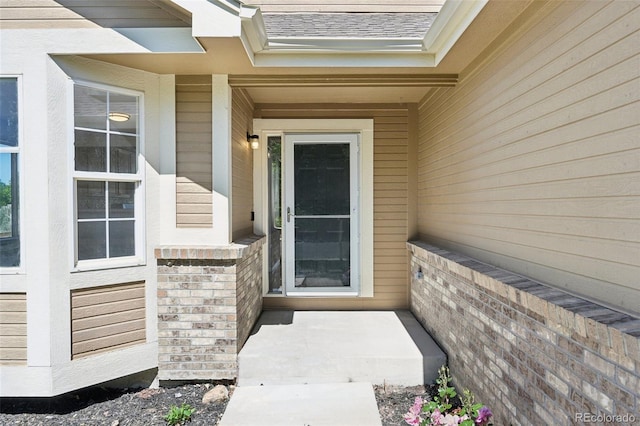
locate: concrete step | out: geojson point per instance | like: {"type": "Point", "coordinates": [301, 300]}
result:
{"type": "Point", "coordinates": [346, 404]}
{"type": "Point", "coordinates": [339, 347]}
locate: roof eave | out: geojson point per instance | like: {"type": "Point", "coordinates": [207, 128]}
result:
{"type": "Point", "coordinates": [452, 21]}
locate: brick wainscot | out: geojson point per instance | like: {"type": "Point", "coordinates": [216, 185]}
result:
{"type": "Point", "coordinates": [208, 300]}
{"type": "Point", "coordinates": [534, 354]}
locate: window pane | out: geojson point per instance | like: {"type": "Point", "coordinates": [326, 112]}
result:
{"type": "Point", "coordinates": [122, 238]}
{"type": "Point", "coordinates": [9, 213]}
{"type": "Point", "coordinates": [322, 185]}
{"type": "Point", "coordinates": [322, 249]}
{"type": "Point", "coordinates": [10, 252]}
{"type": "Point", "coordinates": [274, 156]}
{"type": "Point", "coordinates": [92, 243]}
{"type": "Point", "coordinates": [121, 199]}
{"type": "Point", "coordinates": [8, 112]}
{"type": "Point", "coordinates": [91, 151]}
{"type": "Point", "coordinates": [91, 200]}
{"type": "Point", "coordinates": [8, 194]}
{"type": "Point", "coordinates": [123, 113]}
{"type": "Point", "coordinates": [123, 154]}
{"type": "Point", "coordinates": [90, 106]}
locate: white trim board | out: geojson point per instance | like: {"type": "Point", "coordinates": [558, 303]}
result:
{"type": "Point", "coordinates": [363, 127]}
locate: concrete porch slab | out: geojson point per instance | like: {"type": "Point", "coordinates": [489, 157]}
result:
{"type": "Point", "coordinates": [347, 404]}
{"type": "Point", "coordinates": [304, 347]}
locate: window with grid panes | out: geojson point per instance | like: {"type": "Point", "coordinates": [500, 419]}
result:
{"type": "Point", "coordinates": [107, 174]}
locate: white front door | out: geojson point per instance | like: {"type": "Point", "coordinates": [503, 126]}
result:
{"type": "Point", "coordinates": [320, 214]}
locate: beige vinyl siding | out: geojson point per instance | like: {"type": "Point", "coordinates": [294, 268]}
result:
{"type": "Point", "coordinates": [88, 13]}
{"type": "Point", "coordinates": [390, 210]}
{"type": "Point", "coordinates": [107, 318]}
{"type": "Point", "coordinates": [532, 162]}
{"type": "Point", "coordinates": [193, 152]}
{"type": "Point", "coordinates": [242, 164]}
{"type": "Point", "coordinates": [39, 14]}
{"type": "Point", "coordinates": [13, 329]}
{"type": "Point", "coordinates": [347, 5]}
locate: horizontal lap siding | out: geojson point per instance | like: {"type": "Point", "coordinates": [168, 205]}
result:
{"type": "Point", "coordinates": [533, 161]}
{"type": "Point", "coordinates": [87, 13]}
{"type": "Point", "coordinates": [13, 328]}
{"type": "Point", "coordinates": [193, 152]}
{"type": "Point", "coordinates": [390, 210]}
{"type": "Point", "coordinates": [242, 164]}
{"type": "Point", "coordinates": [39, 14]}
{"type": "Point", "coordinates": [107, 318]}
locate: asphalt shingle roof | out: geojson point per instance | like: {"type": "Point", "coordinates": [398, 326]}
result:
{"type": "Point", "coordinates": [348, 25]}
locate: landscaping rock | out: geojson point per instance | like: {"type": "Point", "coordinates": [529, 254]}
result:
{"type": "Point", "coordinates": [147, 407]}
{"type": "Point", "coordinates": [217, 394]}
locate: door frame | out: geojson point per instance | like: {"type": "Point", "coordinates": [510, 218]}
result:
{"type": "Point", "coordinates": [288, 144]}
{"type": "Point", "coordinates": [279, 127]}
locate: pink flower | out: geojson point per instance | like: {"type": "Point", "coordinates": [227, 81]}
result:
{"type": "Point", "coordinates": [417, 404]}
{"type": "Point", "coordinates": [412, 419]}
{"type": "Point", "coordinates": [437, 418]}
{"type": "Point", "coordinates": [413, 416]}
{"type": "Point", "coordinates": [451, 420]}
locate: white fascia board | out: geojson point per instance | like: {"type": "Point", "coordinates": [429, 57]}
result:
{"type": "Point", "coordinates": [21, 381]}
{"type": "Point", "coordinates": [346, 44]}
{"type": "Point", "coordinates": [343, 59]}
{"type": "Point", "coordinates": [163, 40]}
{"type": "Point", "coordinates": [254, 34]}
{"type": "Point", "coordinates": [99, 368]}
{"type": "Point", "coordinates": [213, 18]}
{"type": "Point", "coordinates": [452, 20]}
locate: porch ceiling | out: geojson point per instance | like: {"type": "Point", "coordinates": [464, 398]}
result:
{"type": "Point", "coordinates": [364, 77]}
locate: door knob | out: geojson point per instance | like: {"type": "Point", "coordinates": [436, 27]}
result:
{"type": "Point", "coordinates": [288, 214]}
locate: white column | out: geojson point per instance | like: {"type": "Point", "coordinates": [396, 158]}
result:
{"type": "Point", "coordinates": [221, 159]}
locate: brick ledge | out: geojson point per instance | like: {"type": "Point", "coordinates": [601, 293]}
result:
{"type": "Point", "coordinates": [236, 250]}
{"type": "Point", "coordinates": [467, 266]}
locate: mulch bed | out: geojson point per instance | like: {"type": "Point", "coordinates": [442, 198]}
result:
{"type": "Point", "coordinates": [98, 406]}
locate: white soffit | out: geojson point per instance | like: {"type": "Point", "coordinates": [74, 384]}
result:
{"type": "Point", "coordinates": [163, 40]}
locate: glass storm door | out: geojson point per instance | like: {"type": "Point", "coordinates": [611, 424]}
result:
{"type": "Point", "coordinates": [320, 214]}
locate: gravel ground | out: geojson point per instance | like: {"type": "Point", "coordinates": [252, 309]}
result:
{"type": "Point", "coordinates": [394, 401]}
{"type": "Point", "coordinates": [98, 407]}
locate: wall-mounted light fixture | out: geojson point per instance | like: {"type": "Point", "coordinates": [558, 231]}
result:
{"type": "Point", "coordinates": [119, 116]}
{"type": "Point", "coordinates": [254, 140]}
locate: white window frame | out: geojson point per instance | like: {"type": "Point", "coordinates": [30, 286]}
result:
{"type": "Point", "coordinates": [139, 257]}
{"type": "Point", "coordinates": [20, 269]}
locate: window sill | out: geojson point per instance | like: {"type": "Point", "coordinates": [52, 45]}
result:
{"type": "Point", "coordinates": [122, 262]}
{"type": "Point", "coordinates": [11, 270]}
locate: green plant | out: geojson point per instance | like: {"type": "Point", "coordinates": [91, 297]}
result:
{"type": "Point", "coordinates": [439, 410]}
{"type": "Point", "coordinates": [179, 415]}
